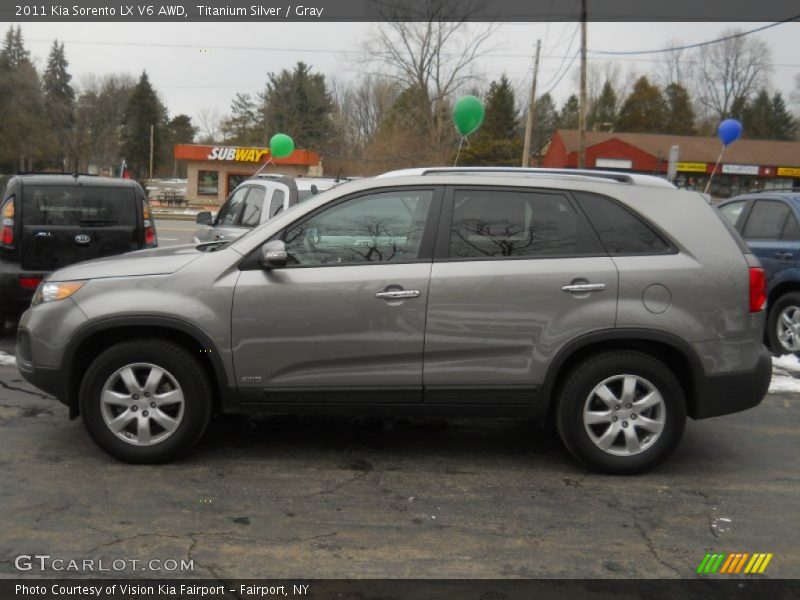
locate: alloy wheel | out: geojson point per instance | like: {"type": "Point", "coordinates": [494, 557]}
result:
{"type": "Point", "coordinates": [142, 404]}
{"type": "Point", "coordinates": [624, 415]}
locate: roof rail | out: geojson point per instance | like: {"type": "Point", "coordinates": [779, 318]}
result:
{"type": "Point", "coordinates": [61, 173]}
{"type": "Point", "coordinates": [782, 191]}
{"type": "Point", "coordinates": [626, 178]}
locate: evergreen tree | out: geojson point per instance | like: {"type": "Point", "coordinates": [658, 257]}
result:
{"type": "Point", "coordinates": [644, 110]}
{"type": "Point", "coordinates": [22, 127]}
{"type": "Point", "coordinates": [738, 108]}
{"type": "Point", "coordinates": [14, 53]}
{"type": "Point", "coordinates": [569, 115]}
{"type": "Point", "coordinates": [757, 117]}
{"type": "Point", "coordinates": [680, 116]}
{"type": "Point", "coordinates": [181, 130]}
{"type": "Point", "coordinates": [178, 130]}
{"type": "Point", "coordinates": [59, 104]}
{"type": "Point", "coordinates": [501, 112]}
{"type": "Point", "coordinates": [783, 124]}
{"type": "Point", "coordinates": [298, 104]}
{"type": "Point", "coordinates": [143, 111]}
{"type": "Point", "coordinates": [603, 112]}
{"type": "Point", "coordinates": [497, 142]}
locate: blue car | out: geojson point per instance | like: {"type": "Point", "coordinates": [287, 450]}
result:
{"type": "Point", "coordinates": [768, 222]}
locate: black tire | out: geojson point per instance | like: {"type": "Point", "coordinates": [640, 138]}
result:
{"type": "Point", "coordinates": [781, 304]}
{"type": "Point", "coordinates": [186, 371]}
{"type": "Point", "coordinates": [574, 395]}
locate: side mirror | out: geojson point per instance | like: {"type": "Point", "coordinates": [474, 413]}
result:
{"type": "Point", "coordinates": [273, 255]}
{"type": "Point", "coordinates": [204, 218]}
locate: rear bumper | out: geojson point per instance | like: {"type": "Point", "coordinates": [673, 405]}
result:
{"type": "Point", "coordinates": [726, 394]}
{"type": "Point", "coordinates": [13, 298]}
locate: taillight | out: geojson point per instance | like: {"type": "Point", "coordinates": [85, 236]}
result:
{"type": "Point", "coordinates": [758, 289]}
{"type": "Point", "coordinates": [150, 239]}
{"type": "Point", "coordinates": [7, 236]}
{"type": "Point", "coordinates": [29, 283]}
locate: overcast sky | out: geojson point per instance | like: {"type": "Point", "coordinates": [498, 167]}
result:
{"type": "Point", "coordinates": [202, 65]}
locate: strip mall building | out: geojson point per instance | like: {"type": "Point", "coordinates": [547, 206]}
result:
{"type": "Point", "coordinates": [746, 164]}
{"type": "Point", "coordinates": [214, 171]}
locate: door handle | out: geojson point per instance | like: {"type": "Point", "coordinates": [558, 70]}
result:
{"type": "Point", "coordinates": [783, 255]}
{"type": "Point", "coordinates": [220, 237]}
{"type": "Point", "coordinates": [397, 294]}
{"type": "Point", "coordinates": [582, 288]}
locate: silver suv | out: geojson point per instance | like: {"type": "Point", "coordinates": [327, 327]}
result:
{"type": "Point", "coordinates": [613, 305]}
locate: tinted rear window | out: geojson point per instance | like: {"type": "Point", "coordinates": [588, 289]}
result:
{"type": "Point", "coordinates": [621, 232]}
{"type": "Point", "coordinates": [503, 223]}
{"type": "Point", "coordinates": [83, 206]}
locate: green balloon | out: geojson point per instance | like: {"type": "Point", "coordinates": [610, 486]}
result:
{"type": "Point", "coordinates": [468, 113]}
{"type": "Point", "coordinates": [281, 145]}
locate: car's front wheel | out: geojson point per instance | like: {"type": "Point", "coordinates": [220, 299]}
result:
{"type": "Point", "coordinates": [621, 412]}
{"type": "Point", "coordinates": [145, 401]}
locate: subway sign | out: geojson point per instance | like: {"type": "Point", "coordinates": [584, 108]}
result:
{"type": "Point", "coordinates": [236, 154]}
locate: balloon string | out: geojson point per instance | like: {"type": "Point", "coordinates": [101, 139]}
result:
{"type": "Point", "coordinates": [455, 162]}
{"type": "Point", "coordinates": [265, 165]}
{"type": "Point", "coordinates": [719, 158]}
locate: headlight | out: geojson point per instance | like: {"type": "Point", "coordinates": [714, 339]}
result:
{"type": "Point", "coordinates": [50, 292]}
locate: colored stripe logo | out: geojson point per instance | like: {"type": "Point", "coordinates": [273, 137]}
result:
{"type": "Point", "coordinates": [734, 563]}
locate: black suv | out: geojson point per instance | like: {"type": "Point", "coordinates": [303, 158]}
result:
{"type": "Point", "coordinates": [50, 220]}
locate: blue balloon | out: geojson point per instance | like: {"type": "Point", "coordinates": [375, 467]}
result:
{"type": "Point", "coordinates": [729, 131]}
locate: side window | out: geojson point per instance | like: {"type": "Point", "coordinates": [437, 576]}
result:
{"type": "Point", "coordinates": [499, 223]}
{"type": "Point", "coordinates": [732, 211]}
{"type": "Point", "coordinates": [791, 232]}
{"type": "Point", "coordinates": [229, 212]}
{"type": "Point", "coordinates": [378, 228]}
{"type": "Point", "coordinates": [621, 231]}
{"type": "Point", "coordinates": [276, 205]}
{"type": "Point", "coordinates": [766, 220]}
{"type": "Point", "coordinates": [253, 207]}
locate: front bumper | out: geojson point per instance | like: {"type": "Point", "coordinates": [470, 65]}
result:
{"type": "Point", "coordinates": [730, 393]}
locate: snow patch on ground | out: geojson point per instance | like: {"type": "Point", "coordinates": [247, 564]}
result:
{"type": "Point", "coordinates": [787, 362]}
{"type": "Point", "coordinates": [7, 360]}
{"type": "Point", "coordinates": [785, 373]}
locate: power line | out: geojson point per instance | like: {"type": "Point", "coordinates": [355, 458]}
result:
{"type": "Point", "coordinates": [698, 44]}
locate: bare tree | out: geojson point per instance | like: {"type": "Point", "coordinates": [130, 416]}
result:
{"type": "Point", "coordinates": [361, 106]}
{"type": "Point", "coordinates": [432, 56]}
{"type": "Point", "coordinates": [209, 121]}
{"type": "Point", "coordinates": [730, 71]}
{"type": "Point", "coordinates": [674, 65]}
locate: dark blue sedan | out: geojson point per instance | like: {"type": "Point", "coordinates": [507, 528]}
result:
{"type": "Point", "coordinates": [768, 222]}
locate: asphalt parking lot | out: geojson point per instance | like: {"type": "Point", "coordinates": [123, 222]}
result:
{"type": "Point", "coordinates": [326, 497]}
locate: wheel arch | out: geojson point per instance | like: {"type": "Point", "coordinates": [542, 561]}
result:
{"type": "Point", "coordinates": [673, 351]}
{"type": "Point", "coordinates": [90, 341]}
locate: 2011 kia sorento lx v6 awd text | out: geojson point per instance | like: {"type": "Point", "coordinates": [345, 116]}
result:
{"type": "Point", "coordinates": [613, 304]}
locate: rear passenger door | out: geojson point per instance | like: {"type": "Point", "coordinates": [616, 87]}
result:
{"type": "Point", "coordinates": [771, 231]}
{"type": "Point", "coordinates": [518, 273]}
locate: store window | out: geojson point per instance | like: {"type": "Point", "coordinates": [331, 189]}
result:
{"type": "Point", "coordinates": [207, 183]}
{"type": "Point", "coordinates": [234, 179]}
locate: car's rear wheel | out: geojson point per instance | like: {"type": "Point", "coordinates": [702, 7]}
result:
{"type": "Point", "coordinates": [783, 324]}
{"type": "Point", "coordinates": [621, 412]}
{"type": "Point", "coordinates": [145, 401]}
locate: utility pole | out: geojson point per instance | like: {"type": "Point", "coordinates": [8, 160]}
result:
{"type": "Point", "coordinates": [526, 151]}
{"type": "Point", "coordinates": [582, 107]}
{"type": "Point", "coordinates": [151, 152]}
